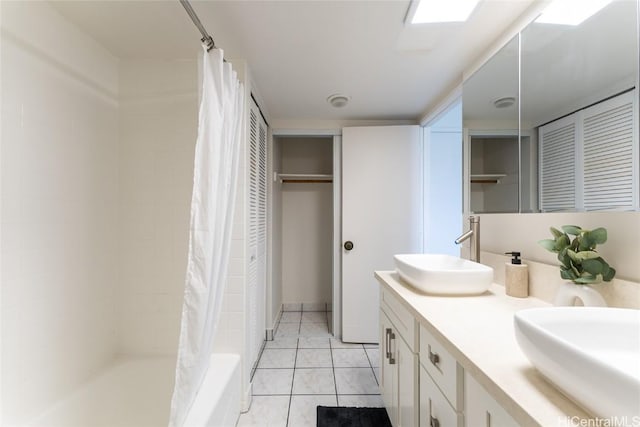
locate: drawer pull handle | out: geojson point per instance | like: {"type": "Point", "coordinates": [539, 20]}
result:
{"type": "Point", "coordinates": [433, 422]}
{"type": "Point", "coordinates": [434, 357]}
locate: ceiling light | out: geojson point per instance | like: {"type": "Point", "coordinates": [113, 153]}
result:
{"type": "Point", "coordinates": [338, 100]}
{"type": "Point", "coordinates": [431, 11]}
{"type": "Point", "coordinates": [505, 102]}
{"type": "Point", "coordinates": [570, 12]}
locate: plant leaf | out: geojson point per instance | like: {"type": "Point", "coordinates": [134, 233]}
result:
{"type": "Point", "coordinates": [586, 280]}
{"type": "Point", "coordinates": [573, 255]}
{"type": "Point", "coordinates": [574, 230]}
{"type": "Point", "coordinates": [609, 274]}
{"type": "Point", "coordinates": [548, 244]}
{"type": "Point", "coordinates": [562, 242]}
{"type": "Point", "coordinates": [556, 233]}
{"type": "Point", "coordinates": [599, 235]}
{"type": "Point", "coordinates": [583, 255]}
{"type": "Point", "coordinates": [593, 266]}
{"type": "Point", "coordinates": [586, 242]}
{"type": "Point", "coordinates": [564, 258]}
{"type": "Point", "coordinates": [567, 274]}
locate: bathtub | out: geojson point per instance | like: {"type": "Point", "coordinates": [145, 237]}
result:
{"type": "Point", "coordinates": [136, 392]}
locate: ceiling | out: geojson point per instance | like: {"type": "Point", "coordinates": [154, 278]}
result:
{"type": "Point", "coordinates": [302, 51]}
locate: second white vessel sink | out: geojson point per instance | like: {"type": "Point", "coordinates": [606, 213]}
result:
{"type": "Point", "coordinates": [592, 354]}
{"type": "Point", "coordinates": [443, 274]}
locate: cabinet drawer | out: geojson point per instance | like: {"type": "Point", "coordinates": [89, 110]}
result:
{"type": "Point", "coordinates": [482, 409]}
{"type": "Point", "coordinates": [442, 367]}
{"type": "Point", "coordinates": [435, 410]}
{"type": "Point", "coordinates": [401, 318]}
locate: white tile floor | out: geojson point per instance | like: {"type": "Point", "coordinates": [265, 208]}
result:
{"type": "Point", "coordinates": [303, 367]}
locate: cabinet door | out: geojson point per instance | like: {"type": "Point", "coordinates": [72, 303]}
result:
{"type": "Point", "coordinates": [481, 409]}
{"type": "Point", "coordinates": [435, 409]}
{"type": "Point", "coordinates": [407, 383]}
{"type": "Point", "coordinates": [387, 370]}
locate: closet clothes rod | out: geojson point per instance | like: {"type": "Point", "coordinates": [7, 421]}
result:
{"type": "Point", "coordinates": [302, 178]}
{"type": "Point", "coordinates": [306, 181]}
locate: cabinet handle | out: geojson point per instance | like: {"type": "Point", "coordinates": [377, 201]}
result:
{"type": "Point", "coordinates": [387, 342]}
{"type": "Point", "coordinates": [434, 357]}
{"type": "Point", "coordinates": [433, 422]}
{"type": "Point", "coordinates": [392, 336]}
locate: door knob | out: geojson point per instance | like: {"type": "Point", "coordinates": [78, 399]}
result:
{"type": "Point", "coordinates": [348, 245]}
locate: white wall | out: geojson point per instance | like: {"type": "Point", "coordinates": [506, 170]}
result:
{"type": "Point", "coordinates": [274, 263]}
{"type": "Point", "coordinates": [59, 218]}
{"type": "Point", "coordinates": [158, 130]}
{"type": "Point", "coordinates": [307, 219]}
{"type": "Point", "coordinates": [443, 182]}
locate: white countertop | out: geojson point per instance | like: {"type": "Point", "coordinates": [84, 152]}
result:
{"type": "Point", "coordinates": [478, 331]}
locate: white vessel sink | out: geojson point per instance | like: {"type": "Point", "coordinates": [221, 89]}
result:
{"type": "Point", "coordinates": [592, 354]}
{"type": "Point", "coordinates": [443, 274]}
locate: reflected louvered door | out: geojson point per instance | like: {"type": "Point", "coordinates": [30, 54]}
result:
{"type": "Point", "coordinates": [558, 165]}
{"type": "Point", "coordinates": [610, 155]}
{"type": "Point", "coordinates": [257, 273]}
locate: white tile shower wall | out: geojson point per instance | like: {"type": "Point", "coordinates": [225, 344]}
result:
{"type": "Point", "coordinates": [230, 336]}
{"type": "Point", "coordinates": [59, 216]}
{"type": "Point", "coordinates": [158, 130]}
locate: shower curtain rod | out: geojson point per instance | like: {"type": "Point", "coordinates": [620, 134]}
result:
{"type": "Point", "coordinates": [206, 38]}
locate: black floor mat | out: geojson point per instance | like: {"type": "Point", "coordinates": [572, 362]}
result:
{"type": "Point", "coordinates": [340, 416]}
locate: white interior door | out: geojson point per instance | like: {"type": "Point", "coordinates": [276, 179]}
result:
{"type": "Point", "coordinates": [381, 216]}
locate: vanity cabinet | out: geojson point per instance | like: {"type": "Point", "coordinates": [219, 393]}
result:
{"type": "Point", "coordinates": [398, 362]}
{"type": "Point", "coordinates": [422, 384]}
{"type": "Point", "coordinates": [466, 365]}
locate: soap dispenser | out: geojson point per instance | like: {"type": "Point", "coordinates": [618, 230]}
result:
{"type": "Point", "coordinates": [516, 276]}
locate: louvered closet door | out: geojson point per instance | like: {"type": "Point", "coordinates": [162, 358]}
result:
{"type": "Point", "coordinates": [610, 155]}
{"type": "Point", "coordinates": [558, 165]}
{"type": "Point", "coordinates": [257, 280]}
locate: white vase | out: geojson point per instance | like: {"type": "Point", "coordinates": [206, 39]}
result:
{"type": "Point", "coordinates": [568, 292]}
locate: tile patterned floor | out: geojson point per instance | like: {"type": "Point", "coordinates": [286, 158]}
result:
{"type": "Point", "coordinates": [303, 367]}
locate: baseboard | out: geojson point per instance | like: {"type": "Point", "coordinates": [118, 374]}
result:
{"type": "Point", "coordinates": [270, 332]}
{"type": "Point", "coordinates": [306, 306]}
{"type": "Point", "coordinates": [245, 403]}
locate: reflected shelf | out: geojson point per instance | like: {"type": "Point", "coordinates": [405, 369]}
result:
{"type": "Point", "coordinates": [486, 178]}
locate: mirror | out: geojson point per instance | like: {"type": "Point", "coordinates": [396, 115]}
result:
{"type": "Point", "coordinates": [567, 69]}
{"type": "Point", "coordinates": [490, 120]}
{"type": "Point", "coordinates": [568, 74]}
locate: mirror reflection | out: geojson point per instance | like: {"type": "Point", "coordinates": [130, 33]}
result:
{"type": "Point", "coordinates": [570, 78]}
{"type": "Point", "coordinates": [490, 118]}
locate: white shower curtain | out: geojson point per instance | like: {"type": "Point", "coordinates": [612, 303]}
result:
{"type": "Point", "coordinates": [220, 132]}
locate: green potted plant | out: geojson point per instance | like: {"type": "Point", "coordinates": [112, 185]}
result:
{"type": "Point", "coordinates": [579, 260]}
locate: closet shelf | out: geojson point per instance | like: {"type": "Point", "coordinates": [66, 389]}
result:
{"type": "Point", "coordinates": [304, 178]}
{"type": "Point", "coordinates": [486, 178]}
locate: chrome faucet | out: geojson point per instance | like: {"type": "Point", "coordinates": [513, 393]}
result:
{"type": "Point", "coordinates": [474, 235]}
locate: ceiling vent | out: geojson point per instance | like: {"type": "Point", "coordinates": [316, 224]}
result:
{"type": "Point", "coordinates": [338, 100]}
